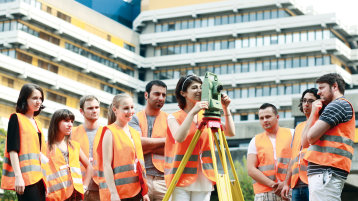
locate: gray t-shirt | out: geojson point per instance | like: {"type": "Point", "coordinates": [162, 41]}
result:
{"type": "Point", "coordinates": [149, 166]}
{"type": "Point", "coordinates": [91, 134]}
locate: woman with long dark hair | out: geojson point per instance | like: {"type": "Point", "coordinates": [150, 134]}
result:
{"type": "Point", "coordinates": [197, 179]}
{"type": "Point", "coordinates": [64, 177]}
{"type": "Point", "coordinates": [25, 147]}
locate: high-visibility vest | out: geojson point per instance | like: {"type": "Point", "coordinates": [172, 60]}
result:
{"type": "Point", "coordinates": [174, 153]}
{"type": "Point", "coordinates": [63, 177]}
{"type": "Point", "coordinates": [159, 131]}
{"type": "Point", "coordinates": [79, 135]}
{"type": "Point", "coordinates": [31, 155]}
{"type": "Point", "coordinates": [123, 163]}
{"type": "Point", "coordinates": [265, 157]}
{"type": "Point", "coordinates": [299, 166]}
{"type": "Point", "coordinates": [335, 147]}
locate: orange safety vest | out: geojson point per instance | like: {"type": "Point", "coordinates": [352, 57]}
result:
{"type": "Point", "coordinates": [335, 147]}
{"type": "Point", "coordinates": [124, 166]}
{"type": "Point", "coordinates": [159, 131]}
{"type": "Point", "coordinates": [265, 157]}
{"type": "Point", "coordinates": [63, 177]}
{"type": "Point", "coordinates": [174, 153]}
{"type": "Point", "coordinates": [299, 166]}
{"type": "Point", "coordinates": [30, 156]}
{"type": "Point", "coordinates": [79, 135]}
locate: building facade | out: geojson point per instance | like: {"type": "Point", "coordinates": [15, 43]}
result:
{"type": "Point", "coordinates": [69, 50]}
{"type": "Point", "coordinates": [262, 51]}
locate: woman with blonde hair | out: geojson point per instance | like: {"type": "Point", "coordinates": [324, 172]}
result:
{"type": "Point", "coordinates": [122, 161]}
{"type": "Point", "coordinates": [64, 178]}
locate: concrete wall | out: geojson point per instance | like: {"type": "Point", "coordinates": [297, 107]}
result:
{"type": "Point", "coordinates": [249, 129]}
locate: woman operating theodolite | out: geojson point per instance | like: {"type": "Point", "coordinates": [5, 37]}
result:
{"type": "Point", "coordinates": [196, 182]}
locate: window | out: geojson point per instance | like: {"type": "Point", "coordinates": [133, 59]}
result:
{"type": "Point", "coordinates": [274, 40]}
{"type": "Point", "coordinates": [171, 27]}
{"type": "Point", "coordinates": [288, 89]}
{"type": "Point", "coordinates": [63, 16]}
{"type": "Point", "coordinates": [224, 45]}
{"type": "Point", "coordinates": [251, 92]}
{"type": "Point", "coordinates": [245, 68]}
{"type": "Point", "coordinates": [258, 91]}
{"type": "Point", "coordinates": [273, 91]}
{"type": "Point", "coordinates": [217, 20]}
{"type": "Point", "coordinates": [56, 98]}
{"type": "Point", "coordinates": [266, 91]}
{"type": "Point", "coordinates": [129, 47]}
{"type": "Point", "coordinates": [7, 82]}
{"type": "Point", "coordinates": [253, 16]}
{"type": "Point", "coordinates": [266, 65]}
{"type": "Point", "coordinates": [225, 19]}
{"type": "Point", "coordinates": [47, 66]}
{"type": "Point", "coordinates": [49, 9]}
{"type": "Point", "coordinates": [24, 57]}
{"type": "Point", "coordinates": [311, 36]}
{"type": "Point", "coordinates": [49, 38]}
{"type": "Point", "coordinates": [244, 93]}
{"type": "Point", "coordinates": [211, 46]}
{"type": "Point", "coordinates": [295, 62]}
{"type": "Point", "coordinates": [296, 89]}
{"type": "Point", "coordinates": [243, 117]}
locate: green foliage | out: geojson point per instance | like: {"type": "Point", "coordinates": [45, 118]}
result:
{"type": "Point", "coordinates": [8, 195]}
{"type": "Point", "coordinates": [245, 180]}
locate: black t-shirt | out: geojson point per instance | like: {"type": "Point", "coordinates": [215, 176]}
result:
{"type": "Point", "coordinates": [13, 135]}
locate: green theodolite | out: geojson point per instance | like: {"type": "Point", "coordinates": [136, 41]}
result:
{"type": "Point", "coordinates": [210, 92]}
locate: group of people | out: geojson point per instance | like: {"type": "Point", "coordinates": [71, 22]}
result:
{"type": "Point", "coordinates": [135, 156]}
{"type": "Point", "coordinates": [314, 159]}
{"type": "Point", "coordinates": [132, 158]}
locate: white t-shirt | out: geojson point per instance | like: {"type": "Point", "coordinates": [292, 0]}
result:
{"type": "Point", "coordinates": [252, 146]}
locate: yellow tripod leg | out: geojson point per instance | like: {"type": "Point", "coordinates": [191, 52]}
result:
{"type": "Point", "coordinates": [222, 180]}
{"type": "Point", "coordinates": [236, 188]}
{"type": "Point", "coordinates": [182, 165]}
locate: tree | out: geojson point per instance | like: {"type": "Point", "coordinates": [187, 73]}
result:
{"type": "Point", "coordinates": [8, 195]}
{"type": "Point", "coordinates": [245, 180]}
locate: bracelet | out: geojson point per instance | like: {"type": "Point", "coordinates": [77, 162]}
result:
{"type": "Point", "coordinates": [227, 114]}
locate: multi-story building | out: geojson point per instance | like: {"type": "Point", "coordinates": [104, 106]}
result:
{"type": "Point", "coordinates": [69, 50]}
{"type": "Point", "coordinates": [262, 50]}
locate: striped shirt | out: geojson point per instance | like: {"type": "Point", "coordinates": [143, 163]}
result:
{"type": "Point", "coordinates": [336, 112]}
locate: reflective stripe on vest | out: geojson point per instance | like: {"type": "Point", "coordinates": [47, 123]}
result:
{"type": "Point", "coordinates": [30, 162]}
{"type": "Point", "coordinates": [159, 130]}
{"type": "Point", "coordinates": [123, 181]}
{"type": "Point", "coordinates": [201, 156]}
{"type": "Point", "coordinates": [265, 156]}
{"type": "Point", "coordinates": [124, 167]}
{"type": "Point", "coordinates": [334, 148]}
{"type": "Point", "coordinates": [63, 177]}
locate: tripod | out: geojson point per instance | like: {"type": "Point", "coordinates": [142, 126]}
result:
{"type": "Point", "coordinates": [227, 191]}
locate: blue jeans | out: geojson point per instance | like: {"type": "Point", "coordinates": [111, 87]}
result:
{"type": "Point", "coordinates": [300, 194]}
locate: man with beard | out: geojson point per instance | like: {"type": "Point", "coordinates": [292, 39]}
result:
{"type": "Point", "coordinates": [296, 177]}
{"type": "Point", "coordinates": [152, 124]}
{"type": "Point", "coordinates": [330, 138]}
{"type": "Point", "coordinates": [268, 156]}
{"type": "Point", "coordinates": [88, 135]}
